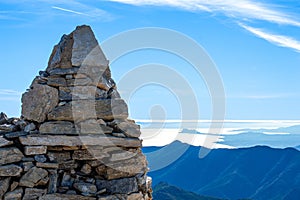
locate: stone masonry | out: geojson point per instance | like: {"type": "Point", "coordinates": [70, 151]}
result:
{"type": "Point", "coordinates": [74, 139]}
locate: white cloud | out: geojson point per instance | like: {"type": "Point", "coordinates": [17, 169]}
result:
{"type": "Point", "coordinates": [280, 40]}
{"type": "Point", "coordinates": [242, 9]}
{"type": "Point", "coordinates": [9, 95]}
{"type": "Point", "coordinates": [9, 92]}
{"type": "Point", "coordinates": [67, 10]}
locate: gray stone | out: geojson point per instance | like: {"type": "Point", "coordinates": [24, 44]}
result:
{"type": "Point", "coordinates": [86, 169]}
{"type": "Point", "coordinates": [5, 128]}
{"type": "Point", "coordinates": [85, 188]}
{"type": "Point", "coordinates": [89, 155]}
{"type": "Point", "coordinates": [97, 140]}
{"type": "Point", "coordinates": [27, 166]}
{"type": "Point", "coordinates": [47, 165]}
{"type": "Point", "coordinates": [35, 150]}
{"type": "Point", "coordinates": [68, 165]}
{"type": "Point", "coordinates": [14, 185]}
{"type": "Point", "coordinates": [57, 127]}
{"type": "Point", "coordinates": [29, 127]}
{"type": "Point", "coordinates": [129, 129]}
{"type": "Point", "coordinates": [91, 126]}
{"type": "Point", "coordinates": [33, 193]}
{"type": "Point", "coordinates": [127, 168]}
{"type": "Point", "coordinates": [10, 155]}
{"type": "Point", "coordinates": [32, 177]}
{"type": "Point", "coordinates": [4, 142]}
{"type": "Point", "coordinates": [65, 197]}
{"type": "Point", "coordinates": [4, 183]}
{"type": "Point", "coordinates": [67, 180]}
{"type": "Point", "coordinates": [52, 187]}
{"type": "Point", "coordinates": [14, 135]}
{"type": "Point", "coordinates": [59, 71]}
{"type": "Point", "coordinates": [40, 158]}
{"type": "Point", "coordinates": [80, 93]}
{"type": "Point", "coordinates": [44, 181]}
{"type": "Point", "coordinates": [59, 156]}
{"type": "Point", "coordinates": [38, 102]}
{"type": "Point", "coordinates": [14, 195]}
{"type": "Point", "coordinates": [3, 118]}
{"type": "Point", "coordinates": [80, 82]}
{"type": "Point", "coordinates": [10, 170]}
{"type": "Point", "coordinates": [56, 81]}
{"type": "Point", "coordinates": [118, 186]}
{"type": "Point", "coordinates": [107, 109]}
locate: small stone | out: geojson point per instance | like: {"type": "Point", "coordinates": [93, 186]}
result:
{"type": "Point", "coordinates": [4, 183]}
{"type": "Point", "coordinates": [38, 102]}
{"type": "Point", "coordinates": [40, 158]}
{"type": "Point", "coordinates": [67, 180]}
{"type": "Point", "coordinates": [32, 177]}
{"type": "Point", "coordinates": [43, 181]}
{"type": "Point", "coordinates": [4, 142]}
{"type": "Point", "coordinates": [57, 127]}
{"type": "Point", "coordinates": [5, 128]}
{"type": "Point", "coordinates": [3, 118]}
{"type": "Point", "coordinates": [62, 103]}
{"type": "Point", "coordinates": [10, 170]}
{"type": "Point", "coordinates": [86, 169]}
{"type": "Point", "coordinates": [101, 170]}
{"type": "Point", "coordinates": [71, 148]}
{"type": "Point", "coordinates": [57, 196]}
{"type": "Point", "coordinates": [121, 135]}
{"type": "Point", "coordinates": [33, 193]}
{"type": "Point", "coordinates": [28, 159]}
{"type": "Point", "coordinates": [73, 192]}
{"type": "Point", "coordinates": [29, 127]}
{"type": "Point", "coordinates": [92, 127]}
{"type": "Point", "coordinates": [118, 186]}
{"type": "Point", "coordinates": [14, 185]}
{"type": "Point", "coordinates": [85, 188]}
{"type": "Point", "coordinates": [129, 129]}
{"type": "Point", "coordinates": [56, 81]}
{"type": "Point", "coordinates": [59, 156]}
{"type": "Point", "coordinates": [52, 187]}
{"type": "Point", "coordinates": [47, 165]}
{"type": "Point", "coordinates": [10, 155]}
{"type": "Point", "coordinates": [14, 135]}
{"type": "Point", "coordinates": [14, 195]}
{"type": "Point", "coordinates": [101, 122]}
{"type": "Point", "coordinates": [69, 76]}
{"type": "Point", "coordinates": [89, 155]}
{"type": "Point", "coordinates": [27, 166]}
{"type": "Point", "coordinates": [35, 150]}
{"type": "Point", "coordinates": [22, 124]}
{"type": "Point", "coordinates": [68, 165]}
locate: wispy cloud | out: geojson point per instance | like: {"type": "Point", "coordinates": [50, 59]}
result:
{"type": "Point", "coordinates": [9, 95]}
{"type": "Point", "coordinates": [242, 10]}
{"type": "Point", "coordinates": [67, 10]}
{"type": "Point", "coordinates": [9, 92]}
{"type": "Point", "coordinates": [280, 40]}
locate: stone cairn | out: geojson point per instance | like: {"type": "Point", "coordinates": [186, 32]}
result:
{"type": "Point", "coordinates": [74, 139]}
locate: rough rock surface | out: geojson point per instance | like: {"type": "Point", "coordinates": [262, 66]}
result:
{"type": "Point", "coordinates": [73, 140]}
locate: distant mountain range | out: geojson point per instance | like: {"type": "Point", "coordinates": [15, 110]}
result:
{"type": "Point", "coordinates": [164, 191]}
{"type": "Point", "coordinates": [258, 173]}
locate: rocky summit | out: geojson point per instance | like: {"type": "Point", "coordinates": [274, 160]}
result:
{"type": "Point", "coordinates": [74, 139]}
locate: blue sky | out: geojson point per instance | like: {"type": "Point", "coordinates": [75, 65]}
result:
{"type": "Point", "coordinates": [254, 44]}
